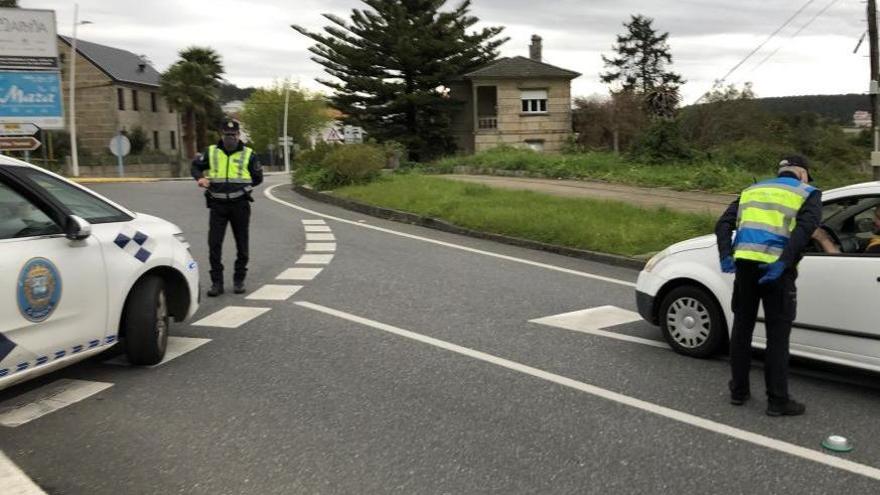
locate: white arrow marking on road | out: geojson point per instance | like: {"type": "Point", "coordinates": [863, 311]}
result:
{"type": "Point", "coordinates": [666, 412]}
{"type": "Point", "coordinates": [593, 320]}
{"type": "Point", "coordinates": [268, 194]}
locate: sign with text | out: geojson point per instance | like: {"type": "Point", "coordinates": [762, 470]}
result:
{"type": "Point", "coordinates": [27, 39]}
{"type": "Point", "coordinates": [31, 97]}
{"type": "Point", "coordinates": [18, 129]}
{"type": "Point", "coordinates": [18, 143]}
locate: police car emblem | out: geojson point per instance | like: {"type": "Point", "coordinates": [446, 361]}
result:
{"type": "Point", "coordinates": [39, 290]}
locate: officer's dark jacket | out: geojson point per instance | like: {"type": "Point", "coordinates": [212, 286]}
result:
{"type": "Point", "coordinates": [218, 188]}
{"type": "Point", "coordinates": [808, 218]}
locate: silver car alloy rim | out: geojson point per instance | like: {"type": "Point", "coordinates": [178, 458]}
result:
{"type": "Point", "coordinates": [688, 322]}
{"type": "Point", "coordinates": [161, 319]}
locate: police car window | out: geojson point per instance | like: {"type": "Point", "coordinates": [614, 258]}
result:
{"type": "Point", "coordinates": [20, 218]}
{"type": "Point", "coordinates": [79, 202]}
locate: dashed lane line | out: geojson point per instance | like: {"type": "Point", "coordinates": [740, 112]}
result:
{"type": "Point", "coordinates": [315, 259]}
{"type": "Point", "coordinates": [268, 194]}
{"type": "Point", "coordinates": [320, 237]}
{"type": "Point", "coordinates": [316, 228]}
{"type": "Point", "coordinates": [230, 317]}
{"type": "Point", "coordinates": [299, 274]}
{"type": "Point", "coordinates": [656, 409]}
{"type": "Point", "coordinates": [313, 222]}
{"type": "Point", "coordinates": [14, 481]}
{"type": "Point", "coordinates": [320, 247]}
{"type": "Point", "coordinates": [270, 292]}
{"type": "Point", "coordinates": [177, 346]}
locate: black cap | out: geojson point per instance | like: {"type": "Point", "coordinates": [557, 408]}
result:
{"type": "Point", "coordinates": [797, 161]}
{"type": "Point", "coordinates": [229, 125]}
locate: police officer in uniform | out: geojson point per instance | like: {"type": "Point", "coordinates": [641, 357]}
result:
{"type": "Point", "coordinates": [228, 171]}
{"type": "Point", "coordinates": [774, 221]}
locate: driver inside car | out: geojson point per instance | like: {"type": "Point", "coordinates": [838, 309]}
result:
{"type": "Point", "coordinates": [825, 241]}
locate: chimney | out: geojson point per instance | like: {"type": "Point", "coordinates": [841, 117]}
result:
{"type": "Point", "coordinates": [535, 48]}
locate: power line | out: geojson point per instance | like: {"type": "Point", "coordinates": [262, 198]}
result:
{"type": "Point", "coordinates": [772, 35]}
{"type": "Point", "coordinates": [799, 31]}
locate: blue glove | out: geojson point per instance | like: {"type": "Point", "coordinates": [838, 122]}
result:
{"type": "Point", "coordinates": [772, 271]}
{"type": "Point", "coordinates": [727, 264]}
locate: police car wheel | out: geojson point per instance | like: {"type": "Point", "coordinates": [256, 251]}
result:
{"type": "Point", "coordinates": [145, 322]}
{"type": "Point", "coordinates": [692, 322]}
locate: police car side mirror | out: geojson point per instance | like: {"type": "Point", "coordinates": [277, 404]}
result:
{"type": "Point", "coordinates": [77, 228]}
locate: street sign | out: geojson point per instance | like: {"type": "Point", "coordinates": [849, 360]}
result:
{"type": "Point", "coordinates": [285, 140]}
{"type": "Point", "coordinates": [27, 39]}
{"type": "Point", "coordinates": [18, 129]}
{"type": "Point", "coordinates": [120, 145]}
{"type": "Point", "coordinates": [33, 97]}
{"type": "Point", "coordinates": [18, 143]}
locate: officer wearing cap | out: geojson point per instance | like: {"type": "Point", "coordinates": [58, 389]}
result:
{"type": "Point", "coordinates": [228, 171]}
{"type": "Point", "coordinates": [774, 221]}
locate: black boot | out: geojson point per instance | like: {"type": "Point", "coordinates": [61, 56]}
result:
{"type": "Point", "coordinates": [215, 290]}
{"type": "Point", "coordinates": [789, 408]}
{"type": "Point", "coordinates": [238, 287]}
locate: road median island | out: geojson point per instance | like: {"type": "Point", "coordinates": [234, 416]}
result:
{"type": "Point", "coordinates": [606, 231]}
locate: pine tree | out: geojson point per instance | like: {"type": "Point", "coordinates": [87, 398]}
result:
{"type": "Point", "coordinates": [641, 62]}
{"type": "Point", "coordinates": [391, 63]}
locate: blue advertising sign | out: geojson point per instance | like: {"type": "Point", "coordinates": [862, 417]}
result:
{"type": "Point", "coordinates": [31, 97]}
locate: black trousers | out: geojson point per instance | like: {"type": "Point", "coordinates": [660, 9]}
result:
{"type": "Point", "coordinates": [237, 213]}
{"type": "Point", "coordinates": [780, 307]}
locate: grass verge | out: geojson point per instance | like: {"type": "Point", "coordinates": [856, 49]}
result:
{"type": "Point", "coordinates": [604, 226]}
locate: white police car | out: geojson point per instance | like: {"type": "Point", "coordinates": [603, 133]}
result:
{"type": "Point", "coordinates": [79, 273]}
{"type": "Point", "coordinates": [683, 290]}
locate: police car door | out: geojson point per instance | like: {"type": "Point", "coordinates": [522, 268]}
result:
{"type": "Point", "coordinates": [53, 296]}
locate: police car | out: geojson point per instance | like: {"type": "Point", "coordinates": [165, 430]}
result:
{"type": "Point", "coordinates": [683, 290]}
{"type": "Point", "coordinates": [79, 273]}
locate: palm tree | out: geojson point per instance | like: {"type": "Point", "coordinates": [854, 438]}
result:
{"type": "Point", "coordinates": [190, 85]}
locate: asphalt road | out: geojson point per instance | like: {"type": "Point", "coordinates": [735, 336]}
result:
{"type": "Point", "coordinates": [409, 365]}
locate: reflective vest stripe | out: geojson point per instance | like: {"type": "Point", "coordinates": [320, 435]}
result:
{"type": "Point", "coordinates": [766, 217]}
{"type": "Point", "coordinates": [231, 169]}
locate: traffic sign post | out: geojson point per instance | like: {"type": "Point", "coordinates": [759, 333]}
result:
{"type": "Point", "coordinates": [120, 146]}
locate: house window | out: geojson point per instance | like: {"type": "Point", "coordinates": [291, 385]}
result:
{"type": "Point", "coordinates": [534, 101]}
{"type": "Point", "coordinates": [134, 100]}
{"type": "Point", "coordinates": [173, 141]}
{"type": "Point", "coordinates": [120, 97]}
{"type": "Point", "coordinates": [153, 106]}
{"type": "Point", "coordinates": [155, 138]}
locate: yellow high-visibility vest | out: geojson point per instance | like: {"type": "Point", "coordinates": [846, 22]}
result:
{"type": "Point", "coordinates": [229, 168]}
{"type": "Point", "coordinates": [767, 216]}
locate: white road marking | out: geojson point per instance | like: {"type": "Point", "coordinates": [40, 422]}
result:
{"type": "Point", "coordinates": [666, 412]}
{"type": "Point", "coordinates": [315, 259]}
{"type": "Point", "coordinates": [231, 317]}
{"type": "Point", "coordinates": [360, 223]}
{"type": "Point", "coordinates": [177, 346]}
{"type": "Point", "coordinates": [299, 274]}
{"type": "Point", "coordinates": [593, 320]}
{"type": "Point", "coordinates": [320, 247]}
{"type": "Point", "coordinates": [274, 292]}
{"type": "Point", "coordinates": [314, 222]}
{"type": "Point", "coordinates": [320, 237]}
{"type": "Point", "coordinates": [14, 481]}
{"type": "Point", "coordinates": [48, 399]}
{"type": "Point", "coordinates": [317, 228]}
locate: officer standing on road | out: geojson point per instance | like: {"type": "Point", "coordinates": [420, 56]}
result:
{"type": "Point", "coordinates": [774, 221]}
{"type": "Point", "coordinates": [233, 170]}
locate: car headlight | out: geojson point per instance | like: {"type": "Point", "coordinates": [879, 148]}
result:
{"type": "Point", "coordinates": [657, 258]}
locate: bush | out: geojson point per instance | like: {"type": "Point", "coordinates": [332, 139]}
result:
{"type": "Point", "coordinates": [662, 143]}
{"type": "Point", "coordinates": [340, 165]}
{"type": "Point", "coordinates": [754, 156]}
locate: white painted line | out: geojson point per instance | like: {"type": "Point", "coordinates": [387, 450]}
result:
{"type": "Point", "coordinates": [320, 237]}
{"type": "Point", "coordinates": [360, 223]}
{"type": "Point", "coordinates": [48, 399]}
{"type": "Point", "coordinates": [231, 317]}
{"type": "Point", "coordinates": [177, 346]}
{"type": "Point", "coordinates": [315, 259]}
{"type": "Point", "coordinates": [593, 320]}
{"type": "Point", "coordinates": [320, 247]}
{"type": "Point", "coordinates": [666, 412]}
{"type": "Point", "coordinates": [14, 481]}
{"type": "Point", "coordinates": [314, 222]}
{"type": "Point", "coordinates": [299, 274]}
{"type": "Point", "coordinates": [274, 292]}
{"type": "Point", "coordinates": [317, 228]}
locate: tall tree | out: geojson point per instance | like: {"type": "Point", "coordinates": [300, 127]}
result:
{"type": "Point", "coordinates": [263, 114]}
{"type": "Point", "coordinates": [642, 56]}
{"type": "Point", "coordinates": [190, 85]}
{"type": "Point", "coordinates": [390, 65]}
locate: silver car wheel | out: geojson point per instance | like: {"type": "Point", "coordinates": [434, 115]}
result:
{"type": "Point", "coordinates": [688, 322]}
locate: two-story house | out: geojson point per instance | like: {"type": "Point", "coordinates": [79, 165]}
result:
{"type": "Point", "coordinates": [514, 101]}
{"type": "Point", "coordinates": [116, 90]}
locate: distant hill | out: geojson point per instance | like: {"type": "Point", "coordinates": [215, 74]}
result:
{"type": "Point", "coordinates": [836, 107]}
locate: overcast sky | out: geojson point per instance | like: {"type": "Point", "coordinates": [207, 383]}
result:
{"type": "Point", "coordinates": [707, 37]}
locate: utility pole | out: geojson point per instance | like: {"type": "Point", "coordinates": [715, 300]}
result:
{"type": "Point", "coordinates": [286, 143]}
{"type": "Point", "coordinates": [875, 69]}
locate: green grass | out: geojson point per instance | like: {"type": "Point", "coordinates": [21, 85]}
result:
{"type": "Point", "coordinates": [604, 226]}
{"type": "Point", "coordinates": [605, 166]}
